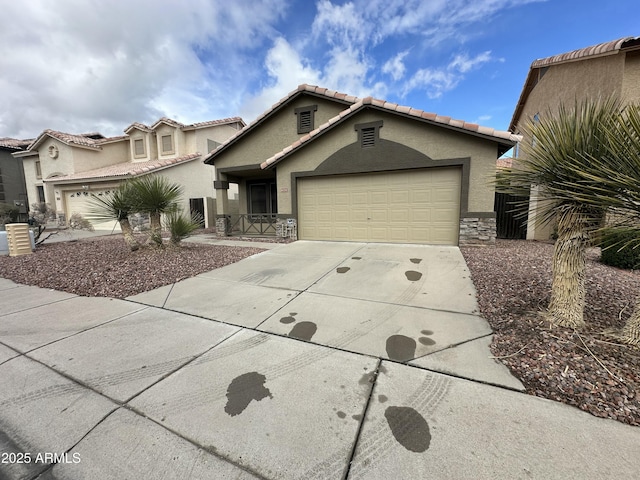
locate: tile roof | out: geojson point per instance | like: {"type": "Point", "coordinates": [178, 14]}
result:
{"type": "Point", "coordinates": [596, 50]}
{"type": "Point", "coordinates": [303, 88]}
{"type": "Point", "coordinates": [174, 123]}
{"type": "Point", "coordinates": [503, 137]}
{"type": "Point", "coordinates": [15, 143]}
{"type": "Point", "coordinates": [504, 162]}
{"type": "Point", "coordinates": [66, 138]}
{"type": "Point", "coordinates": [125, 170]}
{"type": "Point", "coordinates": [608, 48]}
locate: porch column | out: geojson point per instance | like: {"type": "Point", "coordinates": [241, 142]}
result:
{"type": "Point", "coordinates": [223, 220]}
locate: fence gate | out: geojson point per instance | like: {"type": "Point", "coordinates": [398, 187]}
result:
{"type": "Point", "coordinates": [509, 223]}
{"type": "Point", "coordinates": [196, 207]}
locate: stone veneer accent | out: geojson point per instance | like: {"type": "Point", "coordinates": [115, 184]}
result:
{"type": "Point", "coordinates": [223, 226]}
{"type": "Point", "coordinates": [477, 231]}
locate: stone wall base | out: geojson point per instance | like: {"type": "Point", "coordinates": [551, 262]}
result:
{"type": "Point", "coordinates": [477, 231]}
{"type": "Point", "coordinates": [223, 226]}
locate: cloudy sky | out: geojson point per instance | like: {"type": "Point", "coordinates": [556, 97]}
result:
{"type": "Point", "coordinates": [96, 65]}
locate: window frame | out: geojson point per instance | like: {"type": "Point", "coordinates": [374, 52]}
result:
{"type": "Point", "coordinates": [144, 149]}
{"type": "Point", "coordinates": [171, 139]}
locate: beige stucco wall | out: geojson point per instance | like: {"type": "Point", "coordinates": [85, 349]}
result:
{"type": "Point", "coordinates": [111, 153]}
{"type": "Point", "coordinates": [276, 133]}
{"type": "Point", "coordinates": [631, 81]}
{"type": "Point", "coordinates": [564, 83]}
{"type": "Point", "coordinates": [438, 143]}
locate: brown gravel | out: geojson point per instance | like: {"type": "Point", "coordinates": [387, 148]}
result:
{"type": "Point", "coordinates": [586, 369]}
{"type": "Point", "coordinates": [513, 279]}
{"type": "Point", "coordinates": [104, 266]}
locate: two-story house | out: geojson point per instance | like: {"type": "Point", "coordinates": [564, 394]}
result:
{"type": "Point", "coordinates": [337, 167]}
{"type": "Point", "coordinates": [64, 170]}
{"type": "Point", "coordinates": [607, 69]}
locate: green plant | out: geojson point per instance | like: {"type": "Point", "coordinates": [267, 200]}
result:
{"type": "Point", "coordinates": [155, 195]}
{"type": "Point", "coordinates": [8, 213]}
{"type": "Point", "coordinates": [78, 222]}
{"type": "Point", "coordinates": [180, 226]}
{"type": "Point", "coordinates": [42, 212]}
{"type": "Point", "coordinates": [116, 206]}
{"type": "Point", "coordinates": [620, 248]}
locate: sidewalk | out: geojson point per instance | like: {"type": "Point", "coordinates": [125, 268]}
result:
{"type": "Point", "coordinates": [175, 383]}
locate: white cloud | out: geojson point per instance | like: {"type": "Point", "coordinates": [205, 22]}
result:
{"type": "Point", "coordinates": [89, 64]}
{"type": "Point", "coordinates": [437, 81]}
{"type": "Point", "coordinates": [395, 66]}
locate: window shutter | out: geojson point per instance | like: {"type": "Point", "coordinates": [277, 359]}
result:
{"type": "Point", "coordinates": [305, 121]}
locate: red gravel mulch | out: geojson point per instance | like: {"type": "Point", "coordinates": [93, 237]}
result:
{"type": "Point", "coordinates": [586, 369]}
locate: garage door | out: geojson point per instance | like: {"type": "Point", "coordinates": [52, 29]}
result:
{"type": "Point", "coordinates": [418, 206]}
{"type": "Point", "coordinates": [78, 202]}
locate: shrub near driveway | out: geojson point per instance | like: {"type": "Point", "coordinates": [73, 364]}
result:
{"type": "Point", "coordinates": [585, 369]}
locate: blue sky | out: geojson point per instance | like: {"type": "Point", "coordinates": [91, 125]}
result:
{"type": "Point", "coordinates": [93, 65]}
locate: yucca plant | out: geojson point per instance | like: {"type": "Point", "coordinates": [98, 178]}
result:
{"type": "Point", "coordinates": [563, 146]}
{"type": "Point", "coordinates": [116, 206]}
{"type": "Point", "coordinates": [155, 195]}
{"type": "Point", "coordinates": [180, 226]}
{"type": "Point", "coordinates": [613, 182]}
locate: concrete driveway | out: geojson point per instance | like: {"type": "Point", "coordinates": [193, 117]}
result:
{"type": "Point", "coordinates": [312, 360]}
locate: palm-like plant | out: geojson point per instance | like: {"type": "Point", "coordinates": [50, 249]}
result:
{"type": "Point", "coordinates": [116, 206]}
{"type": "Point", "coordinates": [155, 195]}
{"type": "Point", "coordinates": [613, 182]}
{"type": "Point", "coordinates": [563, 147]}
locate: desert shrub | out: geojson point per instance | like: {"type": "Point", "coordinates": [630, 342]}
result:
{"type": "Point", "coordinates": [78, 222]}
{"type": "Point", "coordinates": [621, 248]}
{"type": "Point", "coordinates": [180, 226]}
{"type": "Point", "coordinates": [42, 212]}
{"type": "Point", "coordinates": [8, 213]}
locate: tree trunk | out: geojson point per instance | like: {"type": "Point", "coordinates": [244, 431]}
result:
{"type": "Point", "coordinates": [156, 228]}
{"type": "Point", "coordinates": [630, 333]}
{"type": "Point", "coordinates": [566, 308]}
{"type": "Point", "coordinates": [127, 233]}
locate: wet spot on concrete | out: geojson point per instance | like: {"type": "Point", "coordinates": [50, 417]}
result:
{"type": "Point", "coordinates": [382, 398]}
{"type": "Point", "coordinates": [356, 258]}
{"type": "Point", "coordinates": [409, 428]}
{"type": "Point", "coordinates": [243, 389]}
{"type": "Point", "coordinates": [357, 417]}
{"type": "Point", "coordinates": [303, 330]}
{"type": "Point", "coordinates": [426, 341]}
{"type": "Point", "coordinates": [341, 414]}
{"type": "Point", "coordinates": [401, 348]}
{"type": "Point", "coordinates": [427, 332]}
{"type": "Point", "coordinates": [366, 379]}
{"type": "Point", "coordinates": [287, 320]}
{"type": "Point", "coordinates": [415, 260]}
{"type": "Point", "coordinates": [413, 276]}
{"type": "Point", "coordinates": [342, 269]}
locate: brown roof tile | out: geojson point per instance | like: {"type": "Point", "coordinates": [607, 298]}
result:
{"type": "Point", "coordinates": [125, 170]}
{"type": "Point", "coordinates": [14, 143]}
{"type": "Point", "coordinates": [509, 137]}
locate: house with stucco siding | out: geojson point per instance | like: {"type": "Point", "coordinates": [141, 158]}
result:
{"type": "Point", "coordinates": [324, 165]}
{"type": "Point", "coordinates": [603, 70]}
{"type": "Point", "coordinates": [65, 170]}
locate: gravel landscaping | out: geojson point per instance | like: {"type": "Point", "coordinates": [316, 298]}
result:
{"type": "Point", "coordinates": [105, 267]}
{"type": "Point", "coordinates": [587, 369]}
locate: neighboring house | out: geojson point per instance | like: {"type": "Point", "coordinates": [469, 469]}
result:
{"type": "Point", "coordinates": [611, 68]}
{"type": "Point", "coordinates": [13, 189]}
{"type": "Point", "coordinates": [343, 168]}
{"type": "Point", "coordinates": [64, 170]}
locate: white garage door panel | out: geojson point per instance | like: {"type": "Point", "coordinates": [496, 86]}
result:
{"type": "Point", "coordinates": [401, 207]}
{"type": "Point", "coordinates": [79, 202]}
